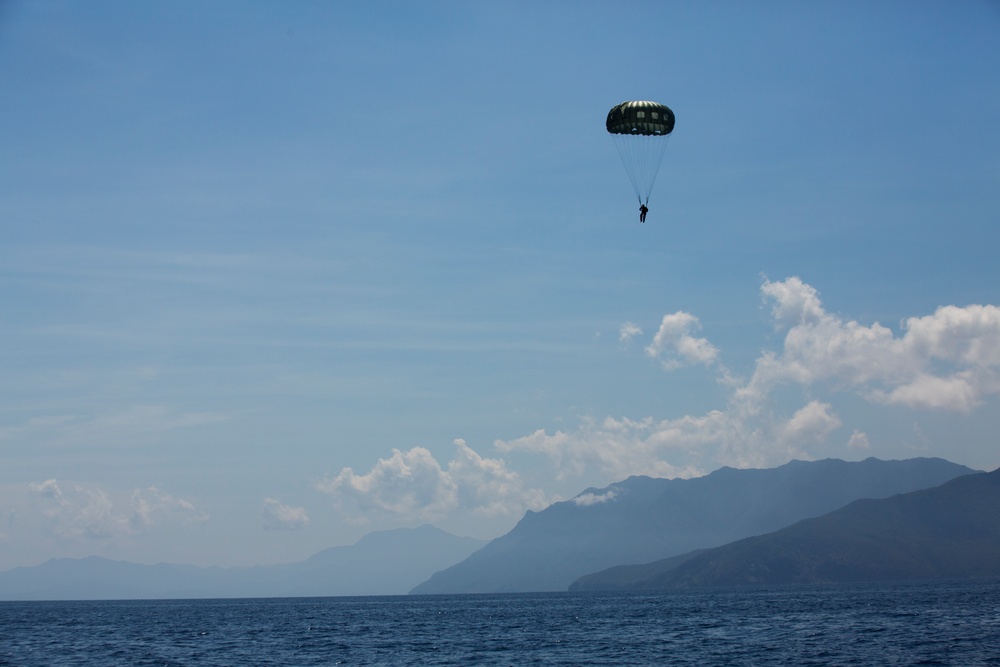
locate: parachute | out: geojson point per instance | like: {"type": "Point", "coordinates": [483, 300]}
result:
{"type": "Point", "coordinates": [640, 131]}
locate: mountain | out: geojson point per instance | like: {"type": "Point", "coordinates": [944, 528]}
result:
{"type": "Point", "coordinates": [948, 532]}
{"type": "Point", "coordinates": [643, 519]}
{"type": "Point", "coordinates": [382, 563]}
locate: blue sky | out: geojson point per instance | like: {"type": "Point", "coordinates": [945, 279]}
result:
{"type": "Point", "coordinates": [275, 275]}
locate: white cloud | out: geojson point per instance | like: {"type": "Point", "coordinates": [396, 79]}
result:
{"type": "Point", "coordinates": [588, 499]}
{"type": "Point", "coordinates": [949, 360]}
{"type": "Point", "coordinates": [628, 331]}
{"type": "Point", "coordinates": [969, 336]}
{"type": "Point", "coordinates": [685, 447]}
{"type": "Point", "coordinates": [619, 448]}
{"type": "Point", "coordinates": [89, 511]}
{"type": "Point", "coordinates": [675, 346]}
{"type": "Point", "coordinates": [151, 504]}
{"type": "Point", "coordinates": [795, 302]}
{"type": "Point", "coordinates": [405, 484]}
{"type": "Point", "coordinates": [859, 440]}
{"type": "Point", "coordinates": [412, 485]}
{"type": "Point", "coordinates": [812, 423]}
{"type": "Point", "coordinates": [486, 485]}
{"type": "Point", "coordinates": [47, 489]}
{"type": "Point", "coordinates": [957, 392]}
{"type": "Point", "coordinates": [81, 511]}
{"type": "Point", "coordinates": [278, 516]}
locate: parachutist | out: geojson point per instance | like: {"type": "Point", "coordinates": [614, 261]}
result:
{"type": "Point", "coordinates": [640, 130]}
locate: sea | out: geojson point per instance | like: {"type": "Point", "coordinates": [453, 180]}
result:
{"type": "Point", "coordinates": [950, 623]}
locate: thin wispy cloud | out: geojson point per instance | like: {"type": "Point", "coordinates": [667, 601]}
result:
{"type": "Point", "coordinates": [588, 499]}
{"type": "Point", "coordinates": [628, 331]}
{"type": "Point", "coordinates": [122, 426]}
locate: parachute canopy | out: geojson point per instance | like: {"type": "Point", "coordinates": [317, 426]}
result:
{"type": "Point", "coordinates": [640, 130]}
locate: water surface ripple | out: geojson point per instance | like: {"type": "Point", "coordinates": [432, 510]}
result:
{"type": "Point", "coordinates": [906, 624]}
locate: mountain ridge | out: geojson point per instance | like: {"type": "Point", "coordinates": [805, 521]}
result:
{"type": "Point", "coordinates": [643, 519]}
{"type": "Point", "coordinates": [951, 531]}
{"type": "Point", "coordinates": [387, 562]}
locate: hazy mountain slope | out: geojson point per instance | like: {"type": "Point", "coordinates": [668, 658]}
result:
{"type": "Point", "coordinates": [947, 532]}
{"type": "Point", "coordinates": [381, 563]}
{"type": "Point", "coordinates": [643, 519]}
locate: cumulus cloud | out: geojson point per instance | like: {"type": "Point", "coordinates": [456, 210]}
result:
{"type": "Point", "coordinates": [949, 360]}
{"type": "Point", "coordinates": [622, 447]}
{"type": "Point", "coordinates": [82, 511]}
{"type": "Point", "coordinates": [89, 511]}
{"type": "Point", "coordinates": [684, 447]}
{"type": "Point", "coordinates": [405, 484]}
{"type": "Point", "coordinates": [794, 302]}
{"type": "Point", "coordinates": [675, 346]}
{"type": "Point", "coordinates": [858, 440]}
{"type": "Point", "coordinates": [412, 485]}
{"type": "Point", "coordinates": [812, 423]}
{"type": "Point", "coordinates": [278, 516]}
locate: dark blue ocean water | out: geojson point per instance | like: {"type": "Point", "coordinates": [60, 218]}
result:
{"type": "Point", "coordinates": [913, 624]}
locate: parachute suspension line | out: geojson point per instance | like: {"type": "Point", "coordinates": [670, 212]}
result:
{"type": "Point", "coordinates": [641, 156]}
{"type": "Point", "coordinates": [627, 151]}
{"type": "Point", "coordinates": [655, 159]}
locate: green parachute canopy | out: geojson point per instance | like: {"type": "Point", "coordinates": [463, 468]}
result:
{"type": "Point", "coordinates": [640, 130]}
